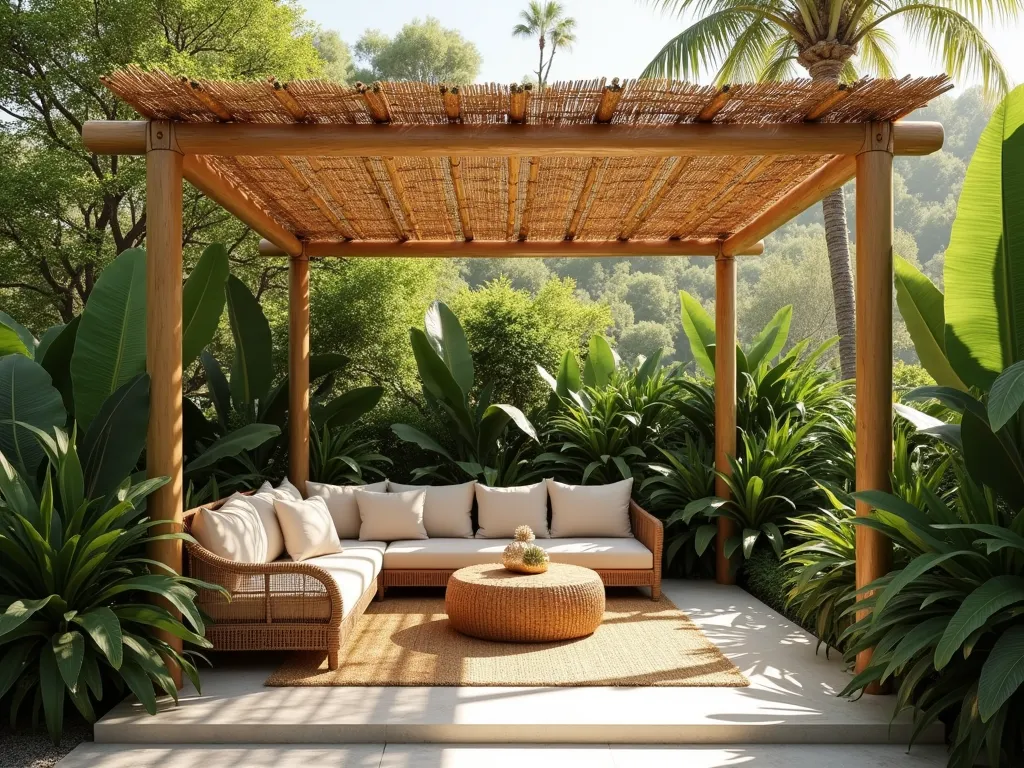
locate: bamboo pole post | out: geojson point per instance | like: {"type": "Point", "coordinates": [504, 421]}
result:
{"type": "Point", "coordinates": [163, 345]}
{"type": "Point", "coordinates": [298, 371]}
{"type": "Point", "coordinates": [725, 400]}
{"type": "Point", "coordinates": [874, 347]}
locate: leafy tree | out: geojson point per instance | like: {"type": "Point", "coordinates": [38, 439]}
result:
{"type": "Point", "coordinates": [338, 63]}
{"type": "Point", "coordinates": [645, 338]}
{"type": "Point", "coordinates": [64, 213]}
{"type": "Point", "coordinates": [526, 274]}
{"type": "Point", "coordinates": [422, 50]}
{"type": "Point", "coordinates": [546, 21]}
{"type": "Point", "coordinates": [832, 40]}
{"type": "Point", "coordinates": [650, 298]}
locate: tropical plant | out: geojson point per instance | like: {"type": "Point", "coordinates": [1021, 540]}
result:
{"type": "Point", "coordinates": [948, 626]}
{"type": "Point", "coordinates": [763, 41]}
{"type": "Point", "coordinates": [340, 457]}
{"type": "Point", "coordinates": [770, 482]}
{"type": "Point", "coordinates": [478, 443]}
{"type": "Point", "coordinates": [76, 588]}
{"type": "Point", "coordinates": [546, 21]}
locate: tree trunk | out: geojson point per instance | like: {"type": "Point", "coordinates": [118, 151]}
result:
{"type": "Point", "coordinates": [540, 66]}
{"type": "Point", "coordinates": [837, 238]}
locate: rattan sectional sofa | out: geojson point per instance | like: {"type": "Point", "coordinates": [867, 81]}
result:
{"type": "Point", "coordinates": [313, 604]}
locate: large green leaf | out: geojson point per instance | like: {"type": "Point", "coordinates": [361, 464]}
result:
{"type": "Point", "coordinates": [110, 347]}
{"type": "Point", "coordinates": [54, 354]}
{"type": "Point", "coordinates": [1007, 396]}
{"type": "Point", "coordinates": [242, 439]}
{"type": "Point", "coordinates": [347, 407]}
{"type": "Point", "coordinates": [11, 343]}
{"type": "Point", "coordinates": [217, 387]}
{"type": "Point", "coordinates": [921, 305]}
{"type": "Point", "coordinates": [20, 611]}
{"type": "Point", "coordinates": [700, 331]}
{"type": "Point", "coordinates": [275, 409]}
{"type": "Point", "coordinates": [114, 441]}
{"type": "Point", "coordinates": [412, 435]}
{"type": "Point", "coordinates": [568, 379]}
{"type": "Point", "coordinates": [69, 650]}
{"type": "Point", "coordinates": [51, 690]}
{"type": "Point", "coordinates": [27, 342]}
{"type": "Point", "coordinates": [984, 263]}
{"type": "Point", "coordinates": [252, 370]}
{"type": "Point", "coordinates": [27, 396]}
{"type": "Point", "coordinates": [436, 377]}
{"type": "Point", "coordinates": [600, 364]}
{"type": "Point", "coordinates": [994, 595]}
{"type": "Point", "coordinates": [104, 629]}
{"type": "Point", "coordinates": [202, 301]}
{"type": "Point", "coordinates": [449, 341]}
{"type": "Point", "coordinates": [991, 461]}
{"type": "Point", "coordinates": [1003, 672]}
{"type": "Point", "coordinates": [771, 339]}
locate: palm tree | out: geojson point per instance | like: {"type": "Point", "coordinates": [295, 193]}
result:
{"type": "Point", "coordinates": [833, 40]}
{"type": "Point", "coordinates": [546, 21]}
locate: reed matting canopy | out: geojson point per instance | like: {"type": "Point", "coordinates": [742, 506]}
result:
{"type": "Point", "coordinates": [581, 169]}
{"type": "Point", "coordinates": [663, 166]}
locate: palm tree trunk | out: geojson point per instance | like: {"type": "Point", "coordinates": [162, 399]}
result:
{"type": "Point", "coordinates": [837, 238]}
{"type": "Point", "coordinates": [540, 66]}
{"type": "Point", "coordinates": [838, 242]}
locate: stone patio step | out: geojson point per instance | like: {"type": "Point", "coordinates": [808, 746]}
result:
{"type": "Point", "coordinates": [535, 756]}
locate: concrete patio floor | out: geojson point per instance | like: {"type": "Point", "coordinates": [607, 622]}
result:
{"type": "Point", "coordinates": [791, 701]}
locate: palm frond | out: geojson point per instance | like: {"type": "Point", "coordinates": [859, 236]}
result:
{"type": "Point", "coordinates": [780, 61]}
{"type": "Point", "coordinates": [876, 52]}
{"type": "Point", "coordinates": [750, 52]}
{"type": "Point", "coordinates": [962, 48]}
{"type": "Point", "coordinates": [701, 46]}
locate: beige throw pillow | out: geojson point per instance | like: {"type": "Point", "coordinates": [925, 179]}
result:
{"type": "Point", "coordinates": [341, 502]}
{"type": "Point", "coordinates": [590, 510]}
{"type": "Point", "coordinates": [391, 516]}
{"type": "Point", "coordinates": [502, 510]}
{"type": "Point", "coordinates": [307, 527]}
{"type": "Point", "coordinates": [448, 513]}
{"type": "Point", "coordinates": [234, 531]}
{"type": "Point", "coordinates": [263, 501]}
{"type": "Point", "coordinates": [287, 491]}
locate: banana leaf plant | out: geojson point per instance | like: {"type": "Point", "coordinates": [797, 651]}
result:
{"type": "Point", "coordinates": [477, 444]}
{"type": "Point", "coordinates": [76, 610]}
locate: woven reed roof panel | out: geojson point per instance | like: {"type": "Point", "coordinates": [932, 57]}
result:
{"type": "Point", "coordinates": [520, 197]}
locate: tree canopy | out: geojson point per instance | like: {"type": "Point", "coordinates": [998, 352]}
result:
{"type": "Point", "coordinates": [422, 50]}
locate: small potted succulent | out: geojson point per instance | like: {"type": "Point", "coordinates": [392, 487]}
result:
{"type": "Point", "coordinates": [522, 555]}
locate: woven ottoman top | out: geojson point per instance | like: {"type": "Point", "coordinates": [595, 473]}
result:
{"type": "Point", "coordinates": [490, 602]}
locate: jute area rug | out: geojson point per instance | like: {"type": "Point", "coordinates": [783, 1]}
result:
{"type": "Point", "coordinates": [408, 641]}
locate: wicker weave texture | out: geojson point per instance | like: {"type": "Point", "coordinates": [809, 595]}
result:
{"type": "Point", "coordinates": [492, 603]}
{"type": "Point", "coordinates": [517, 198]}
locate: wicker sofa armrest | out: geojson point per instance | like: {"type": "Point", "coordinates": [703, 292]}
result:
{"type": "Point", "coordinates": [197, 554]}
{"type": "Point", "coordinates": [649, 531]}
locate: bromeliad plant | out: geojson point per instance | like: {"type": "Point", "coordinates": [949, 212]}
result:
{"type": "Point", "coordinates": [478, 443]}
{"type": "Point", "coordinates": [76, 590]}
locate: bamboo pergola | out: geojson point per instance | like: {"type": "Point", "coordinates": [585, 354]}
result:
{"type": "Point", "coordinates": [587, 168]}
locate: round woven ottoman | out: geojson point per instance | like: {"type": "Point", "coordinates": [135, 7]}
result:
{"type": "Point", "coordinates": [491, 603]}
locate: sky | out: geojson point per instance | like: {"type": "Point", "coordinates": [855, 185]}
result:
{"type": "Point", "coordinates": [617, 38]}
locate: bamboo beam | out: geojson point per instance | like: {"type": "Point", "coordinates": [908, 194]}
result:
{"type": "Point", "coordinates": [398, 187]}
{"type": "Point", "coordinates": [452, 103]}
{"type": "Point", "coordinates": [502, 249]}
{"type": "Point", "coordinates": [163, 349]}
{"type": "Point", "coordinates": [716, 105]}
{"type": "Point", "coordinates": [610, 97]}
{"type": "Point", "coordinates": [874, 350]}
{"type": "Point", "coordinates": [706, 208]}
{"type": "Point", "coordinates": [460, 197]}
{"type": "Point", "coordinates": [400, 227]}
{"type": "Point", "coordinates": [518, 99]}
{"type": "Point", "coordinates": [635, 217]}
{"type": "Point", "coordinates": [202, 176]}
{"type": "Point", "coordinates": [298, 371]}
{"type": "Point", "coordinates": [488, 140]}
{"type": "Point", "coordinates": [811, 190]}
{"type": "Point", "coordinates": [584, 198]}
{"type": "Point", "coordinates": [280, 92]}
{"type": "Point", "coordinates": [513, 195]}
{"type": "Point", "coordinates": [531, 193]}
{"type": "Point", "coordinates": [830, 102]}
{"type": "Point", "coordinates": [725, 402]}
{"type": "Point", "coordinates": [336, 194]}
{"type": "Point", "coordinates": [207, 99]}
{"type": "Point", "coordinates": [376, 102]}
{"type": "Point", "coordinates": [318, 200]}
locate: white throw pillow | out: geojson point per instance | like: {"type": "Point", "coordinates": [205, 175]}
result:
{"type": "Point", "coordinates": [263, 501]}
{"type": "Point", "coordinates": [502, 510]}
{"type": "Point", "coordinates": [590, 510]}
{"type": "Point", "coordinates": [391, 516]}
{"type": "Point", "coordinates": [287, 491]}
{"type": "Point", "coordinates": [341, 502]}
{"type": "Point", "coordinates": [307, 527]}
{"type": "Point", "coordinates": [234, 531]}
{"type": "Point", "coordinates": [448, 513]}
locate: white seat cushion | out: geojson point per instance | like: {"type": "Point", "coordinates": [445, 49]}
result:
{"type": "Point", "coordinates": [444, 554]}
{"type": "Point", "coordinates": [355, 569]}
